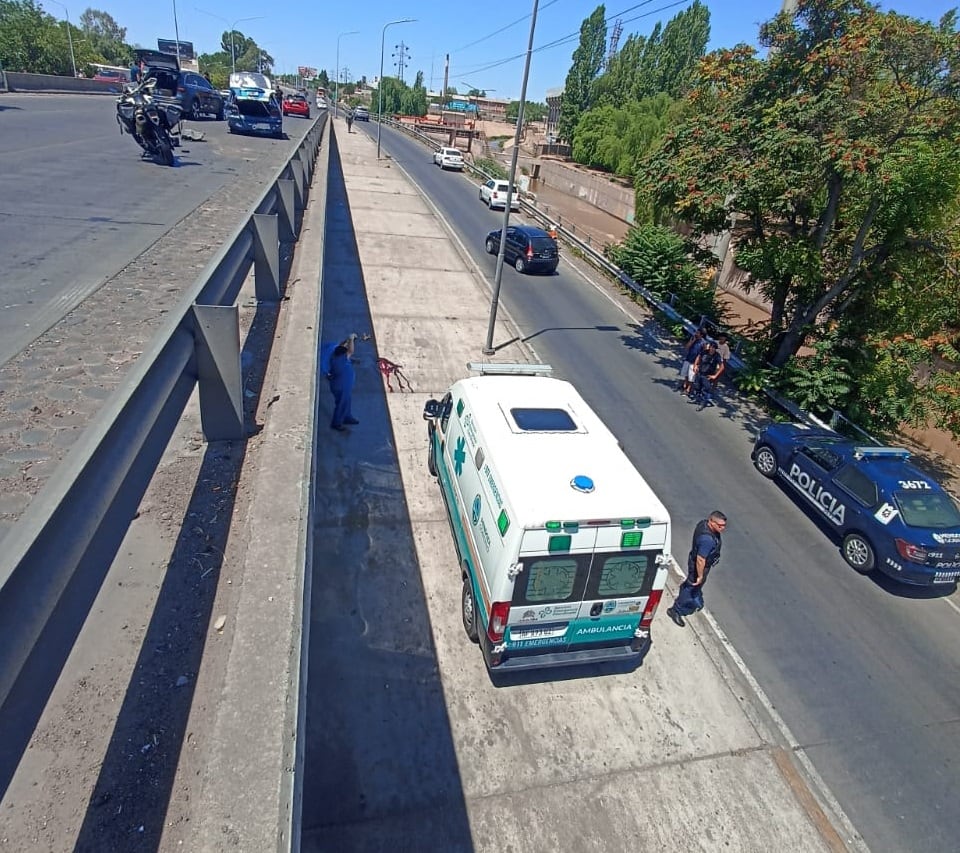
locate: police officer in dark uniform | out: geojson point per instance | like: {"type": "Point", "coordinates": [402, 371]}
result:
{"type": "Point", "coordinates": [704, 555]}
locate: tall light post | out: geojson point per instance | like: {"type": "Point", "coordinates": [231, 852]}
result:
{"type": "Point", "coordinates": [336, 82]}
{"type": "Point", "coordinates": [498, 277]}
{"type": "Point", "coordinates": [233, 26]}
{"type": "Point", "coordinates": [383, 36]}
{"type": "Point", "coordinates": [73, 61]}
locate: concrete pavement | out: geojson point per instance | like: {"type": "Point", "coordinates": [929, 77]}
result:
{"type": "Point", "coordinates": [409, 746]}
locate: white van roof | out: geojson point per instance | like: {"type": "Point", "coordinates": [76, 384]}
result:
{"type": "Point", "coordinates": [536, 467]}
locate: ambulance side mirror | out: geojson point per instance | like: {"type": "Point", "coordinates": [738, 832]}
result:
{"type": "Point", "coordinates": [432, 409]}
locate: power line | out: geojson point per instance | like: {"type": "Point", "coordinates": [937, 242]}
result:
{"type": "Point", "coordinates": [565, 39]}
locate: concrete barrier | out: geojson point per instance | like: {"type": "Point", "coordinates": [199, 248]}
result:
{"type": "Point", "coordinates": [17, 81]}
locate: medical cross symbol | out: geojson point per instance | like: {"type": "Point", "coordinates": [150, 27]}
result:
{"type": "Point", "coordinates": [459, 456]}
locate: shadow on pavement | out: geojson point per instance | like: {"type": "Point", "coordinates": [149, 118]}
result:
{"type": "Point", "coordinates": [380, 772]}
{"type": "Point", "coordinates": [129, 805]}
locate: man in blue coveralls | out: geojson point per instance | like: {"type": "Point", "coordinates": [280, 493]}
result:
{"type": "Point", "coordinates": [704, 555]}
{"type": "Point", "coordinates": [341, 378]}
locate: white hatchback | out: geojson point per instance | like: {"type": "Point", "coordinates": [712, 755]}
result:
{"type": "Point", "coordinates": [448, 158]}
{"type": "Point", "coordinates": [494, 194]}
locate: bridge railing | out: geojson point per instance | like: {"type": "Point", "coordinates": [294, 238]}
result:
{"type": "Point", "coordinates": [74, 525]}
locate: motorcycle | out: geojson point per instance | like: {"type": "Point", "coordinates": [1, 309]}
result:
{"type": "Point", "coordinates": [151, 122]}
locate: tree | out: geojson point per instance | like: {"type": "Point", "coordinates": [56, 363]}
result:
{"type": "Point", "coordinates": [839, 152]}
{"type": "Point", "coordinates": [33, 41]}
{"type": "Point", "coordinates": [101, 24]}
{"type": "Point", "coordinates": [612, 139]}
{"type": "Point", "coordinates": [616, 86]}
{"type": "Point", "coordinates": [532, 111]}
{"type": "Point", "coordinates": [587, 62]}
{"type": "Point", "coordinates": [665, 62]}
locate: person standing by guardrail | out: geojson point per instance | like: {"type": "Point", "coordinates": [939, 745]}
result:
{"type": "Point", "coordinates": [691, 351]}
{"type": "Point", "coordinates": [708, 369]}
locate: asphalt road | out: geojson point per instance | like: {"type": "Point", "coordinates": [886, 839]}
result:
{"type": "Point", "coordinates": [77, 202]}
{"type": "Point", "coordinates": [864, 672]}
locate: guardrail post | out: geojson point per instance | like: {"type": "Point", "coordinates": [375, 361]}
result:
{"type": "Point", "coordinates": [217, 349]}
{"type": "Point", "coordinates": [287, 210]}
{"type": "Point", "coordinates": [306, 157]}
{"type": "Point", "coordinates": [266, 256]}
{"type": "Point", "coordinates": [296, 166]}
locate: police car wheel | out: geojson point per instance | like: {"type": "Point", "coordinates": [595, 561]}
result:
{"type": "Point", "coordinates": [468, 611]}
{"type": "Point", "coordinates": [858, 553]}
{"type": "Point", "coordinates": [765, 461]}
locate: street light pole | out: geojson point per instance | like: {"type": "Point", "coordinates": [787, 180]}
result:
{"type": "Point", "coordinates": [383, 36]}
{"type": "Point", "coordinates": [336, 82]}
{"type": "Point", "coordinates": [498, 277]}
{"type": "Point", "coordinates": [73, 61]}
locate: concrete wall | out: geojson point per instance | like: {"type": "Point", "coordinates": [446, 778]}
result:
{"type": "Point", "coordinates": [20, 82]}
{"type": "Point", "coordinates": [593, 189]}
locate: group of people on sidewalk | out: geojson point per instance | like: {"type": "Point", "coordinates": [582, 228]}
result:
{"type": "Point", "coordinates": [704, 361]}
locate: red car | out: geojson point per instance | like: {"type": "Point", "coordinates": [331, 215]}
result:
{"type": "Point", "coordinates": [296, 105]}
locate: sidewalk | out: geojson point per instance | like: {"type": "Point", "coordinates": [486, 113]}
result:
{"type": "Point", "coordinates": [410, 746]}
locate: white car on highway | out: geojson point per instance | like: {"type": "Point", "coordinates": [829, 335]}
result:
{"type": "Point", "coordinates": [494, 194]}
{"type": "Point", "coordinates": [448, 158]}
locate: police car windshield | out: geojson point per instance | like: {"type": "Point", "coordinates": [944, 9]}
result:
{"type": "Point", "coordinates": [930, 510]}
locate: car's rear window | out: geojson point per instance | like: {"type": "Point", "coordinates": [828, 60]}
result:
{"type": "Point", "coordinates": [929, 510]}
{"type": "Point", "coordinates": [541, 244]}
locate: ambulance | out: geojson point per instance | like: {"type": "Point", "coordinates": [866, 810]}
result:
{"type": "Point", "coordinates": [563, 548]}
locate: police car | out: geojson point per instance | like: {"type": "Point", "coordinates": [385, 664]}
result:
{"type": "Point", "coordinates": [888, 514]}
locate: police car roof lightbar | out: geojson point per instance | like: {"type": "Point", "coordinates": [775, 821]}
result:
{"type": "Point", "coordinates": [880, 452]}
{"type": "Point", "coordinates": [494, 369]}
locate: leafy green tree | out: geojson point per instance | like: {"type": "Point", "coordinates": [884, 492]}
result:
{"type": "Point", "coordinates": [587, 62]}
{"type": "Point", "coordinates": [532, 111]}
{"type": "Point", "coordinates": [839, 152]}
{"type": "Point", "coordinates": [616, 86]}
{"type": "Point", "coordinates": [33, 41]}
{"type": "Point", "coordinates": [664, 262]}
{"type": "Point", "coordinates": [106, 37]}
{"type": "Point", "coordinates": [400, 99]}
{"type": "Point", "coordinates": [612, 139]}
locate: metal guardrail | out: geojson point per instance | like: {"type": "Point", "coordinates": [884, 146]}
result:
{"type": "Point", "coordinates": [76, 523]}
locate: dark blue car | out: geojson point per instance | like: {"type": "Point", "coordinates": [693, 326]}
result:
{"type": "Point", "coordinates": [254, 111]}
{"type": "Point", "coordinates": [888, 514]}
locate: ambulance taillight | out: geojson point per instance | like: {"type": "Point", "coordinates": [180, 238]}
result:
{"type": "Point", "coordinates": [653, 601]}
{"type": "Point", "coordinates": [498, 621]}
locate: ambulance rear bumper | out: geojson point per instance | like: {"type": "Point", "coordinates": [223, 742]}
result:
{"type": "Point", "coordinates": [626, 656]}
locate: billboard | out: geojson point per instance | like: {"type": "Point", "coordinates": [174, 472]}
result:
{"type": "Point", "coordinates": [170, 46]}
{"type": "Point", "coordinates": [307, 72]}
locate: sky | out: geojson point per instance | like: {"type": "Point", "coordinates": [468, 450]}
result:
{"type": "Point", "coordinates": [487, 43]}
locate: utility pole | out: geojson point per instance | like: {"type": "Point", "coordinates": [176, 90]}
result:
{"type": "Point", "coordinates": [402, 57]}
{"type": "Point", "coordinates": [446, 80]}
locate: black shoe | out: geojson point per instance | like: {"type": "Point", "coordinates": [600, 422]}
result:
{"type": "Point", "coordinates": [701, 407]}
{"type": "Point", "coordinates": [351, 421]}
{"type": "Point", "coordinates": [338, 427]}
{"type": "Point", "coordinates": [676, 617]}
